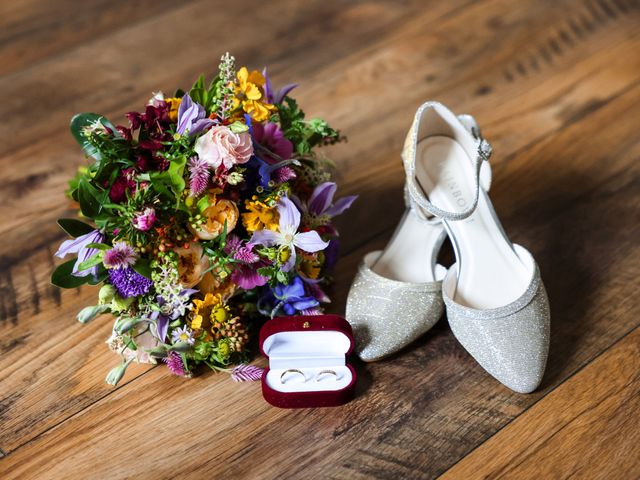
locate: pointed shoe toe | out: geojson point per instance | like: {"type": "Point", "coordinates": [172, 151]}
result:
{"type": "Point", "coordinates": [511, 342]}
{"type": "Point", "coordinates": [386, 315]}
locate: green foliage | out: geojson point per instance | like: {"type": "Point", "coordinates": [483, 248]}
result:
{"type": "Point", "coordinates": [62, 277]}
{"type": "Point", "coordinates": [305, 135]}
{"type": "Point", "coordinates": [74, 227]}
{"type": "Point", "coordinates": [205, 95]}
{"type": "Point", "coordinates": [80, 123]}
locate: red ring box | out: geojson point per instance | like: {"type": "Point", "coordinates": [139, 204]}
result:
{"type": "Point", "coordinates": [311, 344]}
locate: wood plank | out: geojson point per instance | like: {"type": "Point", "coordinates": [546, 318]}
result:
{"type": "Point", "coordinates": [571, 91]}
{"type": "Point", "coordinates": [33, 30]}
{"type": "Point", "coordinates": [555, 438]}
{"type": "Point", "coordinates": [406, 421]}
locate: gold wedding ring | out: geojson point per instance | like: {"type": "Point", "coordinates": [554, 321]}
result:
{"type": "Point", "coordinates": [326, 372]}
{"type": "Point", "coordinates": [292, 370]}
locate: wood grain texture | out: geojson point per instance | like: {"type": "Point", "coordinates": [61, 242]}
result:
{"type": "Point", "coordinates": [556, 89]}
{"type": "Point", "coordinates": [554, 439]}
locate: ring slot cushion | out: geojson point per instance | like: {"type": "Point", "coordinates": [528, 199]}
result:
{"type": "Point", "coordinates": [311, 344]}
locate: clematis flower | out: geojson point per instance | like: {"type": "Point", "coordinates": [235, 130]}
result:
{"type": "Point", "coordinates": [79, 246]}
{"type": "Point", "coordinates": [288, 236]}
{"type": "Point", "coordinates": [275, 96]}
{"type": "Point", "coordinates": [192, 117]}
{"type": "Point", "coordinates": [321, 201]}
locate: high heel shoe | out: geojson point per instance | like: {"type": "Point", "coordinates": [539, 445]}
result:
{"type": "Point", "coordinates": [496, 303]}
{"type": "Point", "coordinates": [396, 294]}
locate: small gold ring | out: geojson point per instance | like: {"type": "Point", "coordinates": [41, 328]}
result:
{"type": "Point", "coordinates": [292, 370]}
{"type": "Point", "coordinates": [323, 372]}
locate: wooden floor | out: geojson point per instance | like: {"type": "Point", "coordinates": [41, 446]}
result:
{"type": "Point", "coordinates": [555, 86]}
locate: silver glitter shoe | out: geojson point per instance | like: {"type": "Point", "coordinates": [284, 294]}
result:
{"type": "Point", "coordinates": [495, 300]}
{"type": "Point", "coordinates": [396, 295]}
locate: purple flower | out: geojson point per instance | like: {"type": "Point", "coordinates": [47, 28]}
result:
{"type": "Point", "coordinates": [275, 96]}
{"type": "Point", "coordinates": [122, 255]}
{"type": "Point", "coordinates": [174, 363]}
{"type": "Point", "coordinates": [79, 246]}
{"type": "Point", "coordinates": [288, 236]}
{"type": "Point", "coordinates": [284, 174]}
{"type": "Point", "coordinates": [292, 297]}
{"type": "Point", "coordinates": [192, 117]}
{"type": "Point", "coordinates": [245, 274]}
{"type": "Point", "coordinates": [176, 306]}
{"type": "Point", "coordinates": [240, 250]}
{"type": "Point", "coordinates": [246, 373]}
{"type": "Point", "coordinates": [144, 220]}
{"type": "Point", "coordinates": [198, 176]}
{"type": "Point", "coordinates": [321, 201]}
{"type": "Point", "coordinates": [273, 140]}
{"type": "Point", "coordinates": [129, 283]}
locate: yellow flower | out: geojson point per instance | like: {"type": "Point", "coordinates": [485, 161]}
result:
{"type": "Point", "coordinates": [203, 309]}
{"type": "Point", "coordinates": [174, 104]}
{"type": "Point", "coordinates": [250, 94]}
{"type": "Point", "coordinates": [310, 265]}
{"type": "Point", "coordinates": [260, 216]}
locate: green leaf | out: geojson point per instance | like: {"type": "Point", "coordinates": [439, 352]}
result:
{"type": "Point", "coordinates": [203, 203]}
{"type": "Point", "coordinates": [90, 262]}
{"type": "Point", "coordinates": [89, 198]}
{"type": "Point", "coordinates": [62, 277]}
{"type": "Point", "coordinates": [98, 246]}
{"type": "Point", "coordinates": [75, 227]}
{"type": "Point", "coordinates": [82, 120]}
{"type": "Point", "coordinates": [143, 267]}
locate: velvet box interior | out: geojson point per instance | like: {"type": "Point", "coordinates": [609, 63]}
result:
{"type": "Point", "coordinates": [307, 361]}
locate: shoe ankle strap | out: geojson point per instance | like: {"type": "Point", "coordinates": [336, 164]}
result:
{"type": "Point", "coordinates": [417, 199]}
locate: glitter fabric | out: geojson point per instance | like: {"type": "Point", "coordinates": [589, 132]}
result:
{"type": "Point", "coordinates": [386, 314]}
{"type": "Point", "coordinates": [509, 342]}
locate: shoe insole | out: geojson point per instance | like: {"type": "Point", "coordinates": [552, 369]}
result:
{"type": "Point", "coordinates": [490, 273]}
{"type": "Point", "coordinates": [411, 252]}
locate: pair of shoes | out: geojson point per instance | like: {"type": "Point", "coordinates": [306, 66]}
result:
{"type": "Point", "coordinates": [495, 300]}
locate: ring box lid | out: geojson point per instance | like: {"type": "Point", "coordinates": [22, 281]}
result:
{"type": "Point", "coordinates": [311, 345]}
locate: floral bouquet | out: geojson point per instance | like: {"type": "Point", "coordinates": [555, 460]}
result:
{"type": "Point", "coordinates": [211, 211]}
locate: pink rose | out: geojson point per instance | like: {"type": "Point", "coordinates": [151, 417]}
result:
{"type": "Point", "coordinates": [220, 146]}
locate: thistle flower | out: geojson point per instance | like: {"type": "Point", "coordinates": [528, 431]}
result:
{"type": "Point", "coordinates": [128, 282]}
{"type": "Point", "coordinates": [283, 174]}
{"type": "Point", "coordinates": [174, 363]}
{"type": "Point", "coordinates": [198, 176]}
{"type": "Point", "coordinates": [122, 255]}
{"type": "Point", "coordinates": [246, 373]}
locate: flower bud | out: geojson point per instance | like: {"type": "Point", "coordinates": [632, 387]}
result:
{"type": "Point", "coordinates": [116, 373]}
{"type": "Point", "coordinates": [106, 294]}
{"type": "Point", "coordinates": [89, 313]}
{"type": "Point", "coordinates": [125, 324]}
